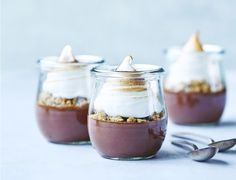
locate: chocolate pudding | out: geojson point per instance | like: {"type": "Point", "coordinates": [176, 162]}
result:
{"type": "Point", "coordinates": [63, 121]}
{"type": "Point", "coordinates": [127, 138]}
{"type": "Point", "coordinates": [195, 106]}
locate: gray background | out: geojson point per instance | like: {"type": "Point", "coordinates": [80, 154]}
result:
{"type": "Point", "coordinates": [112, 29]}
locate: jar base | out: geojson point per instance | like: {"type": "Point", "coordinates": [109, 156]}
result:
{"type": "Point", "coordinates": [72, 143]}
{"type": "Point", "coordinates": [135, 158]}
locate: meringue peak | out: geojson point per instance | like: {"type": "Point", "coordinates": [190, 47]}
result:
{"type": "Point", "coordinates": [126, 65]}
{"type": "Point", "coordinates": [193, 44]}
{"type": "Point", "coordinates": [66, 55]}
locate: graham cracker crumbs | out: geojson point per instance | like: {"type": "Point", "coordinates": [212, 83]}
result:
{"type": "Point", "coordinates": [157, 116]}
{"type": "Point", "coordinates": [102, 116]}
{"type": "Point", "coordinates": [131, 119]}
{"type": "Point", "coordinates": [197, 86]}
{"type": "Point", "coordinates": [47, 99]}
{"type": "Point", "coordinates": [116, 119]}
{"type": "Point", "coordinates": [141, 120]}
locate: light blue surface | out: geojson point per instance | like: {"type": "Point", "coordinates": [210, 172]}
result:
{"type": "Point", "coordinates": [26, 155]}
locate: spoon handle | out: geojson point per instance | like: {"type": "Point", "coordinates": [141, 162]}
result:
{"type": "Point", "coordinates": [184, 145]}
{"type": "Point", "coordinates": [193, 137]}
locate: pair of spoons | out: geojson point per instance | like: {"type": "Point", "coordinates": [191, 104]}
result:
{"type": "Point", "coordinates": [202, 154]}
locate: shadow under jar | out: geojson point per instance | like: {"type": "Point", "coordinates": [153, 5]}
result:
{"type": "Point", "coordinates": [127, 117]}
{"type": "Point", "coordinates": [63, 99]}
{"type": "Point", "coordinates": [195, 90]}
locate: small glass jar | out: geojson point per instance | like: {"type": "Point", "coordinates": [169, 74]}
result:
{"type": "Point", "coordinates": [127, 116]}
{"type": "Point", "coordinates": [63, 98]}
{"type": "Point", "coordinates": [195, 89]}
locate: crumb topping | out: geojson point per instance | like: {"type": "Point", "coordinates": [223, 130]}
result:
{"type": "Point", "coordinates": [196, 86]}
{"type": "Point", "coordinates": [47, 99]}
{"type": "Point", "coordinates": [102, 116]}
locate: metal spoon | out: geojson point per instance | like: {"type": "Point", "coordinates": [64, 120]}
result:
{"type": "Point", "coordinates": [195, 153]}
{"type": "Point", "coordinates": [222, 145]}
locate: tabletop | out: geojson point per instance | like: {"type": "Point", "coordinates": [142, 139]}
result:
{"type": "Point", "coordinates": [26, 155]}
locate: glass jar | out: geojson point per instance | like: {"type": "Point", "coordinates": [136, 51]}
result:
{"type": "Point", "coordinates": [127, 116]}
{"type": "Point", "coordinates": [195, 89]}
{"type": "Point", "coordinates": [63, 98]}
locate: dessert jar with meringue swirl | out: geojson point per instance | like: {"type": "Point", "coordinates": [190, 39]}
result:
{"type": "Point", "coordinates": [63, 97]}
{"type": "Point", "coordinates": [127, 116]}
{"type": "Point", "coordinates": [195, 89]}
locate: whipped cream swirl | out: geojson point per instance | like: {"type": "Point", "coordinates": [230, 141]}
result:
{"type": "Point", "coordinates": [191, 64]}
{"type": "Point", "coordinates": [127, 97]}
{"type": "Point", "coordinates": [66, 82]}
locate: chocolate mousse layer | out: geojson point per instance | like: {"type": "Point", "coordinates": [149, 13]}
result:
{"type": "Point", "coordinates": [127, 138]}
{"type": "Point", "coordinates": [195, 107]}
{"type": "Point", "coordinates": [63, 120]}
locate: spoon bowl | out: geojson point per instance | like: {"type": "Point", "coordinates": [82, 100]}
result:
{"type": "Point", "coordinates": [203, 154]}
{"type": "Point", "coordinates": [223, 145]}
{"type": "Point", "coordinates": [195, 153]}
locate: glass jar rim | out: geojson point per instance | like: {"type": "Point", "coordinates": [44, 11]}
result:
{"type": "Point", "coordinates": [82, 61]}
{"type": "Point", "coordinates": [141, 70]}
{"type": "Point", "coordinates": [207, 49]}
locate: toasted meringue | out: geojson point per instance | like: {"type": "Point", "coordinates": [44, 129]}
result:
{"type": "Point", "coordinates": [126, 64]}
{"type": "Point", "coordinates": [193, 44]}
{"type": "Point", "coordinates": [66, 55]}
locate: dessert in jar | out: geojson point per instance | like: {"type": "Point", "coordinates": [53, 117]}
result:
{"type": "Point", "coordinates": [63, 96]}
{"type": "Point", "coordinates": [127, 116]}
{"type": "Point", "coordinates": [195, 90]}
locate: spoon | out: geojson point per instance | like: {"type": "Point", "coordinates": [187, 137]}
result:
{"type": "Point", "coordinates": [195, 153]}
{"type": "Point", "coordinates": [222, 145]}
